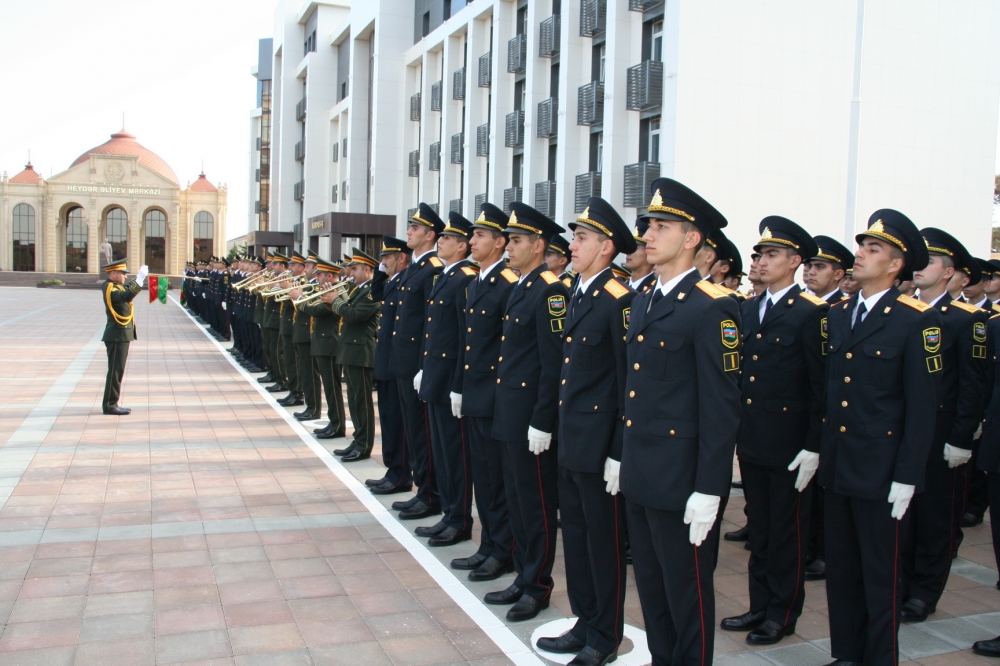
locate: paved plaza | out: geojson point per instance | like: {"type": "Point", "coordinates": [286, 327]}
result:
{"type": "Point", "coordinates": [208, 527]}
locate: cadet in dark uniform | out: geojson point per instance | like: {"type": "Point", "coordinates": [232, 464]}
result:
{"type": "Point", "coordinates": [778, 442]}
{"type": "Point", "coordinates": [557, 259]}
{"type": "Point", "coordinates": [407, 340]}
{"type": "Point", "coordinates": [591, 426]}
{"type": "Point", "coordinates": [356, 352]}
{"type": "Point", "coordinates": [286, 343]}
{"type": "Point", "coordinates": [681, 416]}
{"type": "Point", "coordinates": [884, 358]}
{"type": "Point", "coordinates": [309, 380]}
{"type": "Point", "coordinates": [643, 278]}
{"type": "Point", "coordinates": [474, 394]}
{"type": "Point", "coordinates": [732, 273]}
{"type": "Point", "coordinates": [445, 332]}
{"type": "Point", "coordinates": [527, 394]}
{"type": "Point", "coordinates": [120, 329]}
{"type": "Point", "coordinates": [937, 511]}
{"type": "Point", "coordinates": [272, 330]}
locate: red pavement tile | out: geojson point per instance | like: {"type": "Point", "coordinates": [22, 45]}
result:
{"type": "Point", "coordinates": [311, 586]}
{"type": "Point", "coordinates": [250, 591]}
{"type": "Point", "coordinates": [184, 597]}
{"type": "Point", "coordinates": [34, 635]}
{"type": "Point", "coordinates": [190, 619]}
{"type": "Point", "coordinates": [121, 581]}
{"type": "Point", "coordinates": [265, 638]}
{"type": "Point", "coordinates": [57, 656]}
{"type": "Point", "coordinates": [260, 613]}
{"type": "Point", "coordinates": [192, 646]}
{"type": "Point", "coordinates": [49, 608]}
{"type": "Point", "coordinates": [119, 603]}
{"type": "Point", "coordinates": [134, 652]}
{"type": "Point", "coordinates": [54, 586]}
{"type": "Point", "coordinates": [183, 577]}
{"type": "Point", "coordinates": [335, 632]}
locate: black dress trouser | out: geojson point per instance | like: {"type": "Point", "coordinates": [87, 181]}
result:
{"type": "Point", "coordinates": [454, 465]}
{"type": "Point", "coordinates": [418, 441]}
{"type": "Point", "coordinates": [496, 539]}
{"type": "Point", "coordinates": [395, 457]}
{"type": "Point", "coordinates": [329, 373]}
{"type": "Point", "coordinates": [308, 378]}
{"type": "Point", "coordinates": [117, 355]}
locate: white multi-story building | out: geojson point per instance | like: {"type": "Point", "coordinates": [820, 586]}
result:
{"type": "Point", "coordinates": [822, 112]}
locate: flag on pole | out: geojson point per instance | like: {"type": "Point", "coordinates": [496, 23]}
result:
{"type": "Point", "coordinates": [158, 288]}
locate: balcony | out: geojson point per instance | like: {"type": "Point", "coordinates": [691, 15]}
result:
{"type": "Point", "coordinates": [593, 16]}
{"type": "Point", "coordinates": [517, 54]}
{"type": "Point", "coordinates": [548, 37]}
{"type": "Point", "coordinates": [483, 140]}
{"type": "Point", "coordinates": [590, 104]}
{"type": "Point", "coordinates": [336, 151]}
{"type": "Point", "coordinates": [479, 201]}
{"type": "Point", "coordinates": [299, 190]}
{"type": "Point", "coordinates": [436, 96]}
{"type": "Point", "coordinates": [645, 86]}
{"type": "Point", "coordinates": [300, 110]}
{"type": "Point", "coordinates": [414, 164]}
{"type": "Point", "coordinates": [415, 106]}
{"type": "Point", "coordinates": [545, 197]}
{"type": "Point", "coordinates": [639, 178]}
{"type": "Point", "coordinates": [300, 151]}
{"type": "Point", "coordinates": [642, 5]}
{"type": "Point", "coordinates": [435, 157]}
{"type": "Point", "coordinates": [457, 148]}
{"type": "Point", "coordinates": [510, 195]}
{"type": "Point", "coordinates": [513, 136]}
{"type": "Point", "coordinates": [458, 84]}
{"type": "Point", "coordinates": [548, 118]}
{"type": "Point", "coordinates": [485, 69]}
{"type": "Point", "coordinates": [587, 185]}
{"type": "Point", "coordinates": [455, 206]}
{"type": "Point", "coordinates": [410, 212]}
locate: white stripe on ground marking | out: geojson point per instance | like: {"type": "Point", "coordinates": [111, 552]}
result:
{"type": "Point", "coordinates": [512, 646]}
{"type": "Point", "coordinates": [14, 320]}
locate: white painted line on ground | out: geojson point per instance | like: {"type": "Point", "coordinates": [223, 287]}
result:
{"type": "Point", "coordinates": [14, 320]}
{"type": "Point", "coordinates": [513, 647]}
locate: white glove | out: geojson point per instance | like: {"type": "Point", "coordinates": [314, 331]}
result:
{"type": "Point", "coordinates": [700, 514]}
{"type": "Point", "coordinates": [381, 268]}
{"type": "Point", "coordinates": [223, 305]}
{"type": "Point", "coordinates": [141, 277]}
{"type": "Point", "coordinates": [538, 441]}
{"type": "Point", "coordinates": [612, 470]}
{"type": "Point", "coordinates": [807, 463]}
{"type": "Point", "coordinates": [977, 435]}
{"type": "Point", "coordinates": [456, 404]}
{"type": "Point", "coordinates": [900, 495]}
{"type": "Point", "coordinates": [956, 456]}
{"type": "Point", "coordinates": [416, 380]}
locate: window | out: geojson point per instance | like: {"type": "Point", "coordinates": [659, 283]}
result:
{"type": "Point", "coordinates": [76, 242]}
{"type": "Point", "coordinates": [116, 231]}
{"type": "Point", "coordinates": [204, 231]}
{"type": "Point", "coordinates": [345, 148]}
{"type": "Point", "coordinates": [156, 241]}
{"type": "Point", "coordinates": [600, 151]}
{"type": "Point", "coordinates": [24, 237]}
{"type": "Point", "coordinates": [657, 42]}
{"type": "Point", "coordinates": [654, 140]}
{"type": "Point", "coordinates": [603, 60]}
{"type": "Point", "coordinates": [343, 90]}
{"type": "Point", "coordinates": [426, 28]}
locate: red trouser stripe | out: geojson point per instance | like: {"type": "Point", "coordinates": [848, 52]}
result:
{"type": "Point", "coordinates": [701, 603]}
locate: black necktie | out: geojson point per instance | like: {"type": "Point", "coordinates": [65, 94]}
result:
{"type": "Point", "coordinates": [861, 310]}
{"type": "Point", "coordinates": [657, 297]}
{"type": "Point", "coordinates": [767, 309]}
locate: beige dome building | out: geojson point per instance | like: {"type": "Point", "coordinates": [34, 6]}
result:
{"type": "Point", "coordinates": [118, 193]}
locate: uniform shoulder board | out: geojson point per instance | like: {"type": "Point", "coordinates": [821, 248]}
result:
{"type": "Point", "coordinates": [995, 316]}
{"type": "Point", "coordinates": [812, 298]}
{"type": "Point", "coordinates": [710, 289]}
{"type": "Point", "coordinates": [725, 290]}
{"type": "Point", "coordinates": [615, 288]}
{"type": "Point", "coordinates": [844, 297]}
{"type": "Point", "coordinates": [920, 306]}
{"type": "Point", "coordinates": [549, 277]}
{"type": "Point", "coordinates": [435, 262]}
{"type": "Point", "coordinates": [568, 281]}
{"type": "Point", "coordinates": [509, 275]}
{"type": "Point", "coordinates": [469, 270]}
{"type": "Point", "coordinates": [995, 308]}
{"type": "Point", "coordinates": [968, 307]}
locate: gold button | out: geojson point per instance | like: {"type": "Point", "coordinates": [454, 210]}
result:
{"type": "Point", "coordinates": [628, 424]}
{"type": "Point", "coordinates": [749, 401]}
{"type": "Point", "coordinates": [640, 338]}
{"type": "Point", "coordinates": [498, 380]}
{"type": "Point", "coordinates": [753, 379]}
{"type": "Point", "coordinates": [466, 367]}
{"type": "Point", "coordinates": [470, 330]}
{"type": "Point", "coordinates": [585, 338]}
{"type": "Point", "coordinates": [777, 339]}
{"type": "Point", "coordinates": [397, 316]}
{"type": "Point", "coordinates": [569, 339]}
{"type": "Point", "coordinates": [843, 429]}
{"type": "Point", "coordinates": [427, 335]}
{"type": "Point", "coordinates": [890, 432]}
{"type": "Point", "coordinates": [595, 408]}
{"type": "Point", "coordinates": [878, 353]}
{"type": "Point", "coordinates": [507, 318]}
{"type": "Point", "coordinates": [564, 382]}
{"type": "Point", "coordinates": [755, 357]}
{"type": "Point", "coordinates": [673, 432]}
{"type": "Point", "coordinates": [635, 367]}
{"type": "Point", "coordinates": [661, 343]}
{"type": "Point", "coordinates": [523, 384]}
{"type": "Point", "coordinates": [500, 359]}
{"type": "Point", "coordinates": [784, 409]}
{"type": "Point", "coordinates": [567, 360]}
{"type": "Point", "coordinates": [847, 380]}
{"type": "Point", "coordinates": [445, 355]}
{"type": "Point", "coordinates": [428, 319]}
{"type": "Point", "coordinates": [467, 348]}
{"type": "Point", "coordinates": [848, 355]}
{"type": "Point", "coordinates": [843, 404]}
{"type": "Point", "coordinates": [758, 336]}
{"type": "Point", "coordinates": [503, 338]}
{"type": "Point", "coordinates": [631, 394]}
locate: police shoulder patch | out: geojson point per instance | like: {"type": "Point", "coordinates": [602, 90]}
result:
{"type": "Point", "coordinates": [815, 300]}
{"type": "Point", "coordinates": [626, 317]}
{"type": "Point", "coordinates": [509, 275]}
{"type": "Point", "coordinates": [979, 331]}
{"type": "Point", "coordinates": [435, 262]}
{"type": "Point", "coordinates": [932, 339]}
{"type": "Point", "coordinates": [469, 270]}
{"type": "Point", "coordinates": [968, 307]}
{"type": "Point", "coordinates": [920, 306]}
{"type": "Point", "coordinates": [615, 288]}
{"type": "Point", "coordinates": [549, 277]}
{"type": "Point", "coordinates": [557, 305]}
{"type": "Point", "coordinates": [710, 289]}
{"type": "Point", "coordinates": [824, 328]}
{"type": "Point", "coordinates": [730, 333]}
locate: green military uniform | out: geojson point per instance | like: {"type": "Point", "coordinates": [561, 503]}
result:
{"type": "Point", "coordinates": [286, 347]}
{"type": "Point", "coordinates": [324, 337]}
{"type": "Point", "coordinates": [271, 331]}
{"type": "Point", "coordinates": [118, 333]}
{"type": "Point", "coordinates": [308, 377]}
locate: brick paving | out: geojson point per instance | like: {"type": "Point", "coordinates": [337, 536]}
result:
{"type": "Point", "coordinates": [203, 529]}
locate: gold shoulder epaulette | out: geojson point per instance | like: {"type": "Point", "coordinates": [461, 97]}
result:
{"type": "Point", "coordinates": [549, 277]}
{"type": "Point", "coordinates": [710, 289]}
{"type": "Point", "coordinates": [615, 288]}
{"type": "Point", "coordinates": [920, 306]}
{"type": "Point", "coordinates": [725, 290]}
{"type": "Point", "coordinates": [844, 297]}
{"type": "Point", "coordinates": [509, 275]}
{"type": "Point", "coordinates": [995, 308]}
{"type": "Point", "coordinates": [968, 307]}
{"type": "Point", "coordinates": [469, 270]}
{"type": "Point", "coordinates": [568, 281]}
{"type": "Point", "coordinates": [995, 316]}
{"type": "Point", "coordinates": [812, 298]}
{"type": "Point", "coordinates": [435, 262]}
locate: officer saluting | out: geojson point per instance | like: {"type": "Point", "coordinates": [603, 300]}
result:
{"type": "Point", "coordinates": [884, 357]}
{"type": "Point", "coordinates": [681, 416]}
{"type": "Point", "coordinates": [591, 406]}
{"type": "Point", "coordinates": [120, 330]}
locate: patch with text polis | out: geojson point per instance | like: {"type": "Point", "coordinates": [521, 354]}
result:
{"type": "Point", "coordinates": [824, 329]}
{"type": "Point", "coordinates": [932, 339]}
{"type": "Point", "coordinates": [979, 331]}
{"type": "Point", "coordinates": [557, 305]}
{"type": "Point", "coordinates": [626, 317]}
{"type": "Point", "coordinates": [730, 333]}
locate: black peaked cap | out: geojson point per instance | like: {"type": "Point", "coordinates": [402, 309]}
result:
{"type": "Point", "coordinates": [392, 244]}
{"type": "Point", "coordinates": [830, 249]}
{"type": "Point", "coordinates": [600, 216]}
{"type": "Point", "coordinates": [641, 226]}
{"type": "Point", "coordinates": [526, 220]}
{"type": "Point", "coordinates": [941, 242]}
{"type": "Point", "coordinates": [458, 226]}
{"type": "Point", "coordinates": [779, 231]}
{"type": "Point", "coordinates": [898, 230]}
{"type": "Point", "coordinates": [560, 244]}
{"type": "Point", "coordinates": [426, 216]}
{"type": "Point", "coordinates": [492, 218]}
{"type": "Point", "coordinates": [672, 200]}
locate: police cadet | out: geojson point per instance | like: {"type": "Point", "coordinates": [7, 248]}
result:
{"type": "Point", "coordinates": [272, 332]}
{"type": "Point", "coordinates": [975, 292]}
{"type": "Point", "coordinates": [938, 510]}
{"type": "Point", "coordinates": [557, 259]}
{"type": "Point", "coordinates": [681, 416]}
{"type": "Point", "coordinates": [642, 277]}
{"type": "Point", "coordinates": [591, 425]}
{"type": "Point", "coordinates": [526, 397]}
{"type": "Point", "coordinates": [439, 368]}
{"type": "Point", "coordinates": [411, 317]}
{"type": "Point", "coordinates": [118, 293]}
{"type": "Point", "coordinates": [356, 352]}
{"type": "Point", "coordinates": [286, 343]}
{"type": "Point", "coordinates": [991, 287]}
{"type": "Point", "coordinates": [781, 386]}
{"type": "Point", "coordinates": [398, 477]}
{"type": "Point", "coordinates": [474, 394]}
{"type": "Point", "coordinates": [324, 336]}
{"type": "Point", "coordinates": [884, 358]}
{"type": "Point", "coordinates": [732, 272]}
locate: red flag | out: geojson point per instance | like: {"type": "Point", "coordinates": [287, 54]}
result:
{"type": "Point", "coordinates": [153, 288]}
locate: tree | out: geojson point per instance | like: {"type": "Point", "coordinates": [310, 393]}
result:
{"type": "Point", "coordinates": [236, 250]}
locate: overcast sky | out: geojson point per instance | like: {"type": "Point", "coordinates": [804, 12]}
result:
{"type": "Point", "coordinates": [178, 69]}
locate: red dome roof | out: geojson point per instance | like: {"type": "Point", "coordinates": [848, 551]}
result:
{"type": "Point", "coordinates": [123, 143]}
{"type": "Point", "coordinates": [202, 185]}
{"type": "Point", "coordinates": [29, 175]}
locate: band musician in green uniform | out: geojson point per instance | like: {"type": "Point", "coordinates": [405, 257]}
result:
{"type": "Point", "coordinates": [120, 330]}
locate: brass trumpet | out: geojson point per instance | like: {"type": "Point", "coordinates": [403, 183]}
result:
{"type": "Point", "coordinates": [343, 287]}
{"type": "Point", "coordinates": [246, 282]}
{"type": "Point", "coordinates": [275, 279]}
{"type": "Point", "coordinates": [285, 294]}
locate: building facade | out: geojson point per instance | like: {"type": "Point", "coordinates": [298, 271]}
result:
{"type": "Point", "coordinates": [819, 112]}
{"type": "Point", "coordinates": [119, 193]}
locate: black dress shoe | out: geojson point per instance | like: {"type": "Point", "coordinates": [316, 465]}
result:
{"type": "Point", "coordinates": [745, 622]}
{"type": "Point", "coordinates": [565, 644]}
{"type": "Point", "coordinates": [355, 456]}
{"type": "Point", "coordinates": [449, 537]}
{"type": "Point", "coordinates": [915, 610]}
{"type": "Point", "coordinates": [117, 411]}
{"type": "Point", "coordinates": [468, 563]}
{"type": "Point", "coordinates": [430, 530]}
{"type": "Point", "coordinates": [990, 648]}
{"type": "Point", "coordinates": [399, 505]}
{"type": "Point", "coordinates": [741, 534]}
{"type": "Point", "coordinates": [326, 434]}
{"type": "Point", "coordinates": [287, 400]}
{"type": "Point", "coordinates": [816, 570]}
{"type": "Point", "coordinates": [340, 433]}
{"type": "Point", "coordinates": [971, 520]}
{"type": "Point", "coordinates": [389, 488]}
{"type": "Point", "coordinates": [419, 510]}
{"type": "Point", "coordinates": [304, 416]}
{"type": "Point", "coordinates": [504, 597]}
{"type": "Point", "coordinates": [736, 484]}
{"type": "Point", "coordinates": [293, 401]}
{"type": "Point", "coordinates": [588, 656]}
{"type": "Point", "coordinates": [769, 633]}
{"type": "Point", "coordinates": [844, 662]}
{"type": "Point", "coordinates": [344, 451]}
{"type": "Point", "coordinates": [265, 379]}
{"type": "Point", "coordinates": [276, 388]}
{"type": "Point", "coordinates": [371, 483]}
{"type": "Point", "coordinates": [527, 608]}
{"type": "Point", "coordinates": [253, 368]}
{"type": "Point", "coordinates": [491, 569]}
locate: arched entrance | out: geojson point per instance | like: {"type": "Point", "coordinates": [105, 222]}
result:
{"type": "Point", "coordinates": [116, 231]}
{"type": "Point", "coordinates": [76, 241]}
{"type": "Point", "coordinates": [155, 224]}
{"type": "Point", "coordinates": [24, 237]}
{"type": "Point", "coordinates": [204, 232]}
